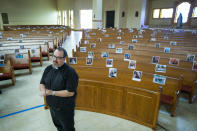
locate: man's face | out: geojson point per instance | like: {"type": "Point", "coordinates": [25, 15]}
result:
{"type": "Point", "coordinates": [58, 59]}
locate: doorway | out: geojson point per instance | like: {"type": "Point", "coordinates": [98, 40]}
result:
{"type": "Point", "coordinates": [110, 17]}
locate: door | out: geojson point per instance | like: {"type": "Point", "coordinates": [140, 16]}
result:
{"type": "Point", "coordinates": [110, 15]}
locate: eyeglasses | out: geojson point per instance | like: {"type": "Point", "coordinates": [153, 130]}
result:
{"type": "Point", "coordinates": [58, 58]}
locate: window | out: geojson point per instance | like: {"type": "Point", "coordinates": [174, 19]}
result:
{"type": "Point", "coordinates": [59, 17]}
{"type": "Point", "coordinates": [194, 14]}
{"type": "Point", "coordinates": [163, 13]}
{"type": "Point", "coordinates": [64, 17]}
{"type": "Point", "coordinates": [183, 9]}
{"type": "Point", "coordinates": [166, 13]}
{"type": "Point", "coordinates": [156, 13]}
{"type": "Point", "coordinates": [86, 19]}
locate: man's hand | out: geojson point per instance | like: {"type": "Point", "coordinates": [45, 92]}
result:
{"type": "Point", "coordinates": [42, 90]}
{"type": "Point", "coordinates": [48, 92]}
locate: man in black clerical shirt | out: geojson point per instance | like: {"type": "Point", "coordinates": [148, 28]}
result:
{"type": "Point", "coordinates": [59, 84]}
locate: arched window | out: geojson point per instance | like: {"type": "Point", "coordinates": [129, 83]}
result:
{"type": "Point", "coordinates": [182, 8]}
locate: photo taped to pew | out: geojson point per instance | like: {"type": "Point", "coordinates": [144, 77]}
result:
{"type": "Point", "coordinates": [166, 50]}
{"type": "Point", "coordinates": [111, 46]}
{"type": "Point", "coordinates": [2, 59]}
{"type": "Point", "coordinates": [137, 75]}
{"type": "Point", "coordinates": [127, 56]}
{"type": "Point", "coordinates": [109, 62]}
{"type": "Point", "coordinates": [174, 61]}
{"type": "Point", "coordinates": [119, 50]}
{"type": "Point", "coordinates": [134, 40]}
{"type": "Point", "coordinates": [73, 60]}
{"type": "Point", "coordinates": [157, 45]}
{"type": "Point", "coordinates": [104, 54]}
{"type": "Point", "coordinates": [90, 54]}
{"type": "Point", "coordinates": [160, 68]}
{"type": "Point", "coordinates": [112, 72]}
{"type": "Point", "coordinates": [194, 67]}
{"type": "Point", "coordinates": [82, 49]}
{"type": "Point", "coordinates": [159, 79]}
{"type": "Point", "coordinates": [89, 61]}
{"type": "Point", "coordinates": [190, 58]}
{"type": "Point", "coordinates": [155, 59]}
{"type": "Point", "coordinates": [93, 45]}
{"type": "Point", "coordinates": [132, 64]}
{"type": "Point", "coordinates": [131, 47]}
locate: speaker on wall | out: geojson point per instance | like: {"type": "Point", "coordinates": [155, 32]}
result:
{"type": "Point", "coordinates": [123, 14]}
{"type": "Point", "coordinates": [5, 18]}
{"type": "Point", "coordinates": [136, 14]}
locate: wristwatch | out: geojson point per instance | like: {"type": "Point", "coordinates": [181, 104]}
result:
{"type": "Point", "coordinates": [53, 93]}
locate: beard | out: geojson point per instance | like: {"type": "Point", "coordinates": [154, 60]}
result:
{"type": "Point", "coordinates": [55, 65]}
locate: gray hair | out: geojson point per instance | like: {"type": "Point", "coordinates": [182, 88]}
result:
{"type": "Point", "coordinates": [62, 49]}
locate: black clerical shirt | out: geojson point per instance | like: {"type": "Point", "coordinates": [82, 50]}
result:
{"type": "Point", "coordinates": [62, 78]}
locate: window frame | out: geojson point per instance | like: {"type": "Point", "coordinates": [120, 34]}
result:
{"type": "Point", "coordinates": [193, 11]}
{"type": "Point", "coordinates": [160, 13]}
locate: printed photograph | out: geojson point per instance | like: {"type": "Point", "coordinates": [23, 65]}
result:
{"type": "Point", "coordinates": [174, 61]}
{"type": "Point", "coordinates": [127, 57]}
{"type": "Point", "coordinates": [106, 35]}
{"type": "Point", "coordinates": [157, 45]}
{"type": "Point", "coordinates": [132, 64]}
{"type": "Point", "coordinates": [104, 54]}
{"type": "Point", "coordinates": [33, 51]}
{"type": "Point", "coordinates": [155, 59]}
{"type": "Point", "coordinates": [153, 39]}
{"type": "Point", "coordinates": [86, 42]}
{"type": "Point", "coordinates": [73, 60]}
{"type": "Point", "coordinates": [111, 46]}
{"type": "Point", "coordinates": [9, 38]}
{"type": "Point", "coordinates": [135, 36]}
{"type": "Point", "coordinates": [130, 30]}
{"type": "Point", "coordinates": [166, 50]}
{"type": "Point", "coordinates": [159, 79]}
{"type": "Point", "coordinates": [134, 40]}
{"type": "Point", "coordinates": [2, 57]}
{"type": "Point", "coordinates": [89, 61]}
{"type": "Point", "coordinates": [22, 47]}
{"type": "Point", "coordinates": [118, 50]}
{"type": "Point", "coordinates": [112, 72]}
{"type": "Point", "coordinates": [140, 36]}
{"type": "Point", "coordinates": [99, 39]}
{"type": "Point", "coordinates": [109, 62]}
{"type": "Point", "coordinates": [165, 37]}
{"type": "Point", "coordinates": [119, 38]}
{"type": "Point", "coordinates": [190, 57]}
{"type": "Point", "coordinates": [130, 47]}
{"type": "Point", "coordinates": [194, 67]}
{"type": "Point", "coordinates": [20, 41]}
{"type": "Point", "coordinates": [82, 49]}
{"type": "Point", "coordinates": [16, 51]}
{"type": "Point", "coordinates": [1, 63]}
{"type": "Point", "coordinates": [137, 75]}
{"type": "Point", "coordinates": [19, 55]}
{"type": "Point", "coordinates": [93, 45]}
{"type": "Point", "coordinates": [90, 54]}
{"type": "Point", "coordinates": [172, 42]}
{"type": "Point", "coordinates": [121, 42]}
{"type": "Point", "coordinates": [160, 68]}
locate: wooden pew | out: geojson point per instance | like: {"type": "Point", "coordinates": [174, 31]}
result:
{"type": "Point", "coordinates": [7, 71]}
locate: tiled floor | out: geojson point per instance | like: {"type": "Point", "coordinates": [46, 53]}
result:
{"type": "Point", "coordinates": [25, 94]}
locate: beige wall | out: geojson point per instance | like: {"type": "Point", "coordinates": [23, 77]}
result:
{"type": "Point", "coordinates": [163, 4]}
{"type": "Point", "coordinates": [30, 12]}
{"type": "Point", "coordinates": [133, 6]}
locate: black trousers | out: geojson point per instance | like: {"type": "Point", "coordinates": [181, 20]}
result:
{"type": "Point", "coordinates": [63, 119]}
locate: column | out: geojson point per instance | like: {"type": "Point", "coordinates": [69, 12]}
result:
{"type": "Point", "coordinates": [97, 14]}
